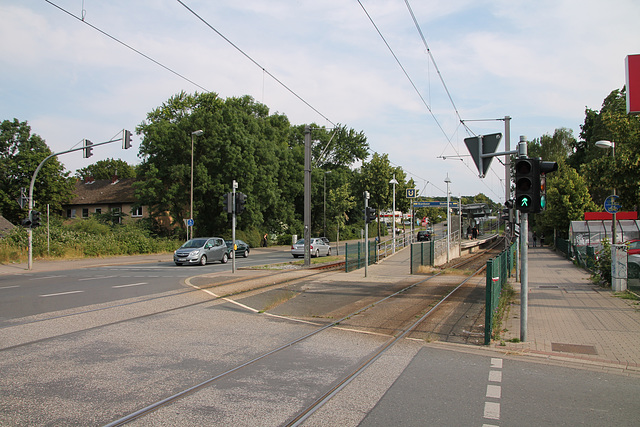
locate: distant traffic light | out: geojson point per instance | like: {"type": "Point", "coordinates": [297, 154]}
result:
{"type": "Point", "coordinates": [88, 151]}
{"type": "Point", "coordinates": [126, 139]}
{"type": "Point", "coordinates": [241, 199]}
{"type": "Point", "coordinates": [35, 219]}
{"type": "Point", "coordinates": [369, 215]}
{"type": "Point", "coordinates": [527, 184]}
{"type": "Point", "coordinates": [227, 203]}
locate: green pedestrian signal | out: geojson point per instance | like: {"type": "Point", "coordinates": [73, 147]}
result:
{"type": "Point", "coordinates": [523, 203]}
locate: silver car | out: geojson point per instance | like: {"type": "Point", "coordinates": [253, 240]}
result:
{"type": "Point", "coordinates": [317, 248]}
{"type": "Point", "coordinates": [201, 251]}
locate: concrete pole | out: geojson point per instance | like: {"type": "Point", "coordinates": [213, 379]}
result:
{"type": "Point", "coordinates": [307, 196]}
{"type": "Point", "coordinates": [233, 227]}
{"type": "Point", "coordinates": [448, 181]}
{"type": "Point", "coordinates": [366, 234]}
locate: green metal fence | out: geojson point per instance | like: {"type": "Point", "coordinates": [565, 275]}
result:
{"type": "Point", "coordinates": [422, 253]}
{"type": "Point", "coordinates": [498, 272]}
{"type": "Point", "coordinates": [354, 255]}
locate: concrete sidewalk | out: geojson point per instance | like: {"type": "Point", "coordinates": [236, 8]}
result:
{"type": "Point", "coordinates": [572, 319]}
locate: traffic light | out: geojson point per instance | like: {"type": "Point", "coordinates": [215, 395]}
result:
{"type": "Point", "coordinates": [241, 199]}
{"type": "Point", "coordinates": [35, 219]}
{"type": "Point", "coordinates": [88, 151]}
{"type": "Point", "coordinates": [527, 184]}
{"type": "Point", "coordinates": [126, 139]}
{"type": "Point", "coordinates": [27, 222]}
{"type": "Point", "coordinates": [545, 168]}
{"type": "Point", "coordinates": [227, 205]}
{"type": "Point", "coordinates": [369, 215]}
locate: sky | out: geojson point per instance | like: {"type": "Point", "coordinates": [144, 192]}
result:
{"type": "Point", "coordinates": [540, 63]}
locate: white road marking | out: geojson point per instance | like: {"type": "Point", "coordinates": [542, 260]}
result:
{"type": "Point", "coordinates": [96, 278]}
{"type": "Point", "coordinates": [62, 293]}
{"type": "Point", "coordinates": [46, 277]}
{"type": "Point", "coordinates": [496, 363]}
{"type": "Point", "coordinates": [494, 391]}
{"type": "Point", "coordinates": [246, 307]}
{"type": "Point", "coordinates": [495, 376]}
{"type": "Point", "coordinates": [132, 284]}
{"type": "Point", "coordinates": [9, 287]}
{"type": "Point", "coordinates": [492, 410]}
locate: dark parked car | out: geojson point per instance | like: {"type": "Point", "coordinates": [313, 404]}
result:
{"type": "Point", "coordinates": [424, 236]}
{"type": "Point", "coordinates": [242, 248]}
{"type": "Point", "coordinates": [201, 251]}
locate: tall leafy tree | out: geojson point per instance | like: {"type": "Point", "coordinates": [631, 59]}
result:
{"type": "Point", "coordinates": [107, 169]}
{"type": "Point", "coordinates": [20, 154]}
{"type": "Point", "coordinates": [241, 142]}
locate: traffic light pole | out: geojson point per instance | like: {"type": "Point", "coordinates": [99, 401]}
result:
{"type": "Point", "coordinates": [366, 233]}
{"type": "Point", "coordinates": [524, 256]}
{"type": "Point", "coordinates": [33, 181]}
{"type": "Point", "coordinates": [233, 228]}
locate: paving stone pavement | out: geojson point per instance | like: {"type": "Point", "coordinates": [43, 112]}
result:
{"type": "Point", "coordinates": [572, 319]}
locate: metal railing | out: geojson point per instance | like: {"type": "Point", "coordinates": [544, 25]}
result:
{"type": "Point", "coordinates": [354, 255]}
{"type": "Point", "coordinates": [497, 273]}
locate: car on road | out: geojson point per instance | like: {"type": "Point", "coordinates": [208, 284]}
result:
{"type": "Point", "coordinates": [424, 236]}
{"type": "Point", "coordinates": [201, 250]}
{"type": "Point", "coordinates": [242, 248]}
{"type": "Point", "coordinates": [633, 247]}
{"type": "Point", "coordinates": [317, 247]}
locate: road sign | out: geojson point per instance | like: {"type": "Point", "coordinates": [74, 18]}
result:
{"type": "Point", "coordinates": [436, 204]}
{"type": "Point", "coordinates": [411, 193]}
{"type": "Point", "coordinates": [190, 222]}
{"type": "Point", "coordinates": [481, 149]}
{"type": "Point", "coordinates": [612, 204]}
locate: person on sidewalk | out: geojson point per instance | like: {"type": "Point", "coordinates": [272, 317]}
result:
{"type": "Point", "coordinates": [535, 239]}
{"type": "Point", "coordinates": [264, 240]}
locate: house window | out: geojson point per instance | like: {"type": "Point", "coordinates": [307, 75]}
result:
{"type": "Point", "coordinates": [71, 213]}
{"type": "Point", "coordinates": [136, 212]}
{"type": "Point", "coordinates": [98, 211]}
{"type": "Point", "coordinates": [85, 212]}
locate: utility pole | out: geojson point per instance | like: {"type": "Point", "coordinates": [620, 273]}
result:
{"type": "Point", "coordinates": [307, 196]}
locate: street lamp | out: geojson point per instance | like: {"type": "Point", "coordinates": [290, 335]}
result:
{"type": "Point", "coordinates": [610, 144]}
{"type": "Point", "coordinates": [194, 133]}
{"type": "Point", "coordinates": [394, 182]}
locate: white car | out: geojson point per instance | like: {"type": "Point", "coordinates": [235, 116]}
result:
{"type": "Point", "coordinates": [317, 248]}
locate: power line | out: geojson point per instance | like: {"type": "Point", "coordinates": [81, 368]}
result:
{"type": "Point", "coordinates": [264, 70]}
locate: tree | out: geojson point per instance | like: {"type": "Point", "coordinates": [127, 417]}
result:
{"type": "Point", "coordinates": [554, 148]}
{"type": "Point", "coordinates": [20, 154]}
{"type": "Point", "coordinates": [568, 199]}
{"type": "Point", "coordinates": [241, 142]}
{"type": "Point", "coordinates": [107, 169]}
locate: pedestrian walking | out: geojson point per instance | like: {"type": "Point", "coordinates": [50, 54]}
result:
{"type": "Point", "coordinates": [264, 240]}
{"type": "Point", "coordinates": [535, 239]}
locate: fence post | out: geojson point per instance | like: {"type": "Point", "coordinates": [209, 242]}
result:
{"type": "Point", "coordinates": [488, 312]}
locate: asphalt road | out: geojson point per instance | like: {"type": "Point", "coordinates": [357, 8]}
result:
{"type": "Point", "coordinates": [34, 293]}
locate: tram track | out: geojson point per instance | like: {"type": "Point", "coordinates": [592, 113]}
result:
{"type": "Point", "coordinates": [338, 384]}
{"type": "Point", "coordinates": [242, 367]}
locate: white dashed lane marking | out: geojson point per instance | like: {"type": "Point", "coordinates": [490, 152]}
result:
{"type": "Point", "coordinates": [494, 392]}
